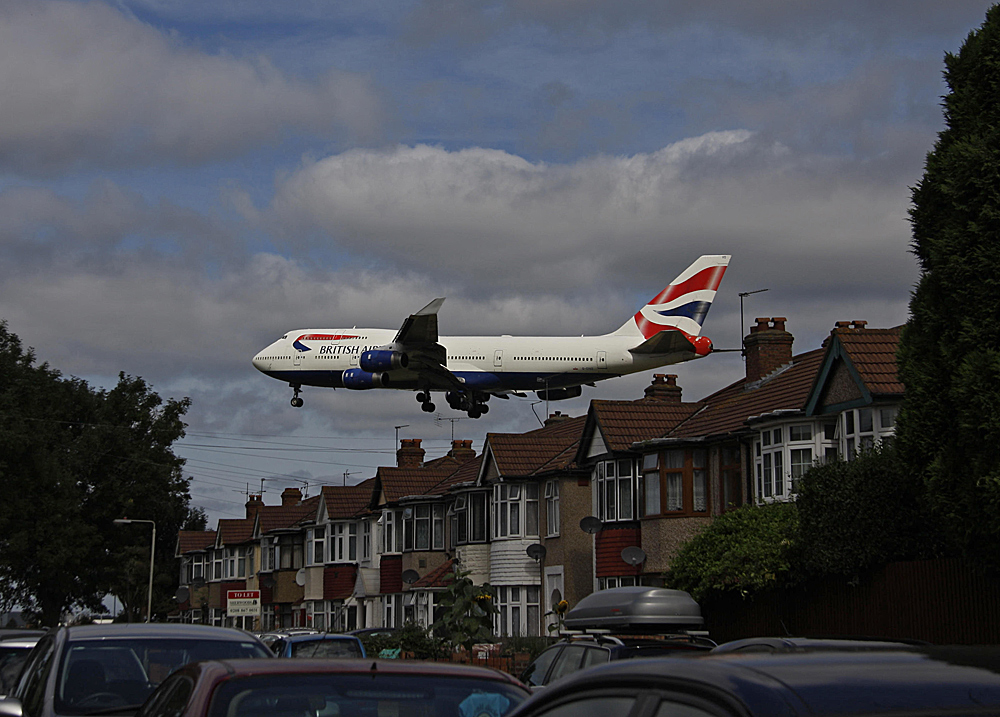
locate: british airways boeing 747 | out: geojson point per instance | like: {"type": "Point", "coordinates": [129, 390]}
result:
{"type": "Point", "coordinates": [471, 369]}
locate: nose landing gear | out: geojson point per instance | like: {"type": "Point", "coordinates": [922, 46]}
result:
{"type": "Point", "coordinates": [424, 399]}
{"type": "Point", "coordinates": [296, 401]}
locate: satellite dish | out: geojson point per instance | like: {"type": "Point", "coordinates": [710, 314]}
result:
{"type": "Point", "coordinates": [198, 583]}
{"type": "Point", "coordinates": [536, 552]}
{"type": "Point", "coordinates": [182, 594]}
{"type": "Point", "coordinates": [300, 577]}
{"type": "Point", "coordinates": [591, 525]}
{"type": "Point", "coordinates": [410, 576]}
{"type": "Point", "coordinates": [634, 555]}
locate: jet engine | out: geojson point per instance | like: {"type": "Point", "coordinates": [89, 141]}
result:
{"type": "Point", "coordinates": [381, 360]}
{"type": "Point", "coordinates": [360, 380]}
{"type": "Point", "coordinates": [559, 394]}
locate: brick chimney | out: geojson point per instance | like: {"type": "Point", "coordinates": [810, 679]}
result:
{"type": "Point", "coordinates": [290, 496]}
{"type": "Point", "coordinates": [254, 504]}
{"type": "Point", "coordinates": [556, 417]}
{"type": "Point", "coordinates": [768, 346]}
{"type": "Point", "coordinates": [409, 454]}
{"type": "Point", "coordinates": [663, 388]}
{"type": "Point", "coordinates": [462, 451]}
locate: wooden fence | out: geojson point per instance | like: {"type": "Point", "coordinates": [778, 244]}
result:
{"type": "Point", "coordinates": [941, 601]}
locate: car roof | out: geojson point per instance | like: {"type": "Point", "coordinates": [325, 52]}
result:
{"type": "Point", "coordinates": [19, 633]}
{"type": "Point", "coordinates": [360, 666]}
{"type": "Point", "coordinates": [156, 630]}
{"type": "Point", "coordinates": [817, 643]}
{"type": "Point", "coordinates": [307, 637]}
{"type": "Point", "coordinates": [815, 683]}
{"type": "Point", "coordinates": [25, 644]}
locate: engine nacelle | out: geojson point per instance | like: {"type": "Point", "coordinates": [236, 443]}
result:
{"type": "Point", "coordinates": [381, 360]}
{"type": "Point", "coordinates": [559, 394]}
{"type": "Point", "coordinates": [359, 380]}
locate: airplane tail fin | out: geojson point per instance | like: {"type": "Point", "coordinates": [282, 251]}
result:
{"type": "Point", "coordinates": [683, 304]}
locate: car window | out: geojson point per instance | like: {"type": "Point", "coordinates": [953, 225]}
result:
{"type": "Point", "coordinates": [375, 693]}
{"type": "Point", "coordinates": [606, 706]}
{"type": "Point", "coordinates": [112, 674]}
{"type": "Point", "coordinates": [12, 659]}
{"type": "Point", "coordinates": [568, 662]}
{"type": "Point", "coordinates": [534, 674]}
{"type": "Point", "coordinates": [596, 656]}
{"type": "Point", "coordinates": [326, 648]}
{"type": "Point", "coordinates": [170, 699]}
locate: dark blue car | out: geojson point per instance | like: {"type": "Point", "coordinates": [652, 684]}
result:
{"type": "Point", "coordinates": [934, 681]}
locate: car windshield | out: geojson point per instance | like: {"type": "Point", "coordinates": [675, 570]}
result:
{"type": "Point", "coordinates": [110, 675]}
{"type": "Point", "coordinates": [326, 648]}
{"type": "Point", "coordinates": [336, 695]}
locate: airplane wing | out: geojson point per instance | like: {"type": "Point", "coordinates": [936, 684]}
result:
{"type": "Point", "coordinates": [421, 327]}
{"type": "Point", "coordinates": [665, 342]}
{"type": "Point", "coordinates": [418, 337]}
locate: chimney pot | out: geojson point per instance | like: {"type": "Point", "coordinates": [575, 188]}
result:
{"type": "Point", "coordinates": [858, 324]}
{"type": "Point", "coordinates": [663, 388]}
{"type": "Point", "coordinates": [843, 324]}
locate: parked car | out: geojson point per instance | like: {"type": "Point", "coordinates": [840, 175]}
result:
{"type": "Point", "coordinates": [648, 622]}
{"type": "Point", "coordinates": [296, 688]}
{"type": "Point", "coordinates": [13, 653]}
{"type": "Point", "coordinates": [19, 633]}
{"type": "Point", "coordinates": [578, 652]}
{"type": "Point", "coordinates": [318, 644]}
{"type": "Point", "coordinates": [934, 681]}
{"type": "Point", "coordinates": [112, 669]}
{"type": "Point", "coordinates": [806, 644]}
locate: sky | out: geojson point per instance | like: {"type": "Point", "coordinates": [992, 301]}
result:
{"type": "Point", "coordinates": [183, 181]}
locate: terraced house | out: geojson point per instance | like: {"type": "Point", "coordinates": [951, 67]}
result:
{"type": "Point", "coordinates": [581, 504]}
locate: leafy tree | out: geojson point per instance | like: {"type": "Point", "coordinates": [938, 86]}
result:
{"type": "Point", "coordinates": [73, 459]}
{"type": "Point", "coordinates": [949, 358]}
{"type": "Point", "coordinates": [467, 612]}
{"type": "Point", "coordinates": [745, 550]}
{"type": "Point", "coordinates": [858, 515]}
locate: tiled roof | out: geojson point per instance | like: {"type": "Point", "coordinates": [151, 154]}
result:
{"type": "Point", "coordinates": [194, 540]}
{"type": "Point", "coordinates": [399, 483]}
{"type": "Point", "coordinates": [873, 353]}
{"type": "Point", "coordinates": [278, 517]}
{"type": "Point", "coordinates": [440, 577]}
{"type": "Point", "coordinates": [545, 449]}
{"type": "Point", "coordinates": [233, 531]}
{"type": "Point", "coordinates": [623, 423]}
{"type": "Point", "coordinates": [467, 473]}
{"type": "Point", "coordinates": [726, 411]}
{"type": "Point", "coordinates": [347, 501]}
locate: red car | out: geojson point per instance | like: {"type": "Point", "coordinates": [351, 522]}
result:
{"type": "Point", "coordinates": [361, 688]}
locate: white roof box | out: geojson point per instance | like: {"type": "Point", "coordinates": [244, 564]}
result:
{"type": "Point", "coordinates": [638, 609]}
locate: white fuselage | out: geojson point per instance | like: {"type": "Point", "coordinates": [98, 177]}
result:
{"type": "Point", "coordinates": [317, 357]}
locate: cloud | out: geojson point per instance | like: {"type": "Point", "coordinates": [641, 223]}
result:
{"type": "Point", "coordinates": [502, 225]}
{"type": "Point", "coordinates": [84, 84]}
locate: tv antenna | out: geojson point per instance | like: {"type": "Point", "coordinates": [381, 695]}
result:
{"type": "Point", "coordinates": [441, 419]}
{"type": "Point", "coordinates": [743, 343]}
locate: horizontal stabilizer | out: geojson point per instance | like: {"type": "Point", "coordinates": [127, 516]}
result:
{"type": "Point", "coordinates": [665, 342]}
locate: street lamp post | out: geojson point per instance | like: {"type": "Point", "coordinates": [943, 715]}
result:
{"type": "Point", "coordinates": [152, 554]}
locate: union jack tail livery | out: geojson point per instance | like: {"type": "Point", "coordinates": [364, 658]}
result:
{"type": "Point", "coordinates": [683, 304]}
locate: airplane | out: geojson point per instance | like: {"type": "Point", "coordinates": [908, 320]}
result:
{"type": "Point", "coordinates": [469, 370]}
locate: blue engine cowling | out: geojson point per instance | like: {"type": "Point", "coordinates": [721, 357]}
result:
{"type": "Point", "coordinates": [382, 360]}
{"type": "Point", "coordinates": [359, 380]}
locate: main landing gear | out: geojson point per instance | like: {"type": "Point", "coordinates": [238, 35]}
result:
{"type": "Point", "coordinates": [474, 404]}
{"type": "Point", "coordinates": [424, 399]}
{"type": "Point", "coordinates": [296, 401]}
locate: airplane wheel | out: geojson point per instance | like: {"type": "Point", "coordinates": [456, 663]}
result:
{"type": "Point", "coordinates": [475, 412]}
{"type": "Point", "coordinates": [422, 397]}
{"type": "Point", "coordinates": [427, 407]}
{"type": "Point", "coordinates": [297, 402]}
{"type": "Point", "coordinates": [484, 408]}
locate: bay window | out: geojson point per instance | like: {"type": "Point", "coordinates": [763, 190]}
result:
{"type": "Point", "coordinates": [515, 509]}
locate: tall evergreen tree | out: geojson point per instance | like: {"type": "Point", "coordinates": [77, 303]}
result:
{"type": "Point", "coordinates": [949, 359]}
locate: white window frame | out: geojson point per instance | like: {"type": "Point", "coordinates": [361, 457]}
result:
{"type": "Point", "coordinates": [616, 482]}
{"type": "Point", "coordinates": [518, 610]}
{"type": "Point", "coordinates": [551, 508]}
